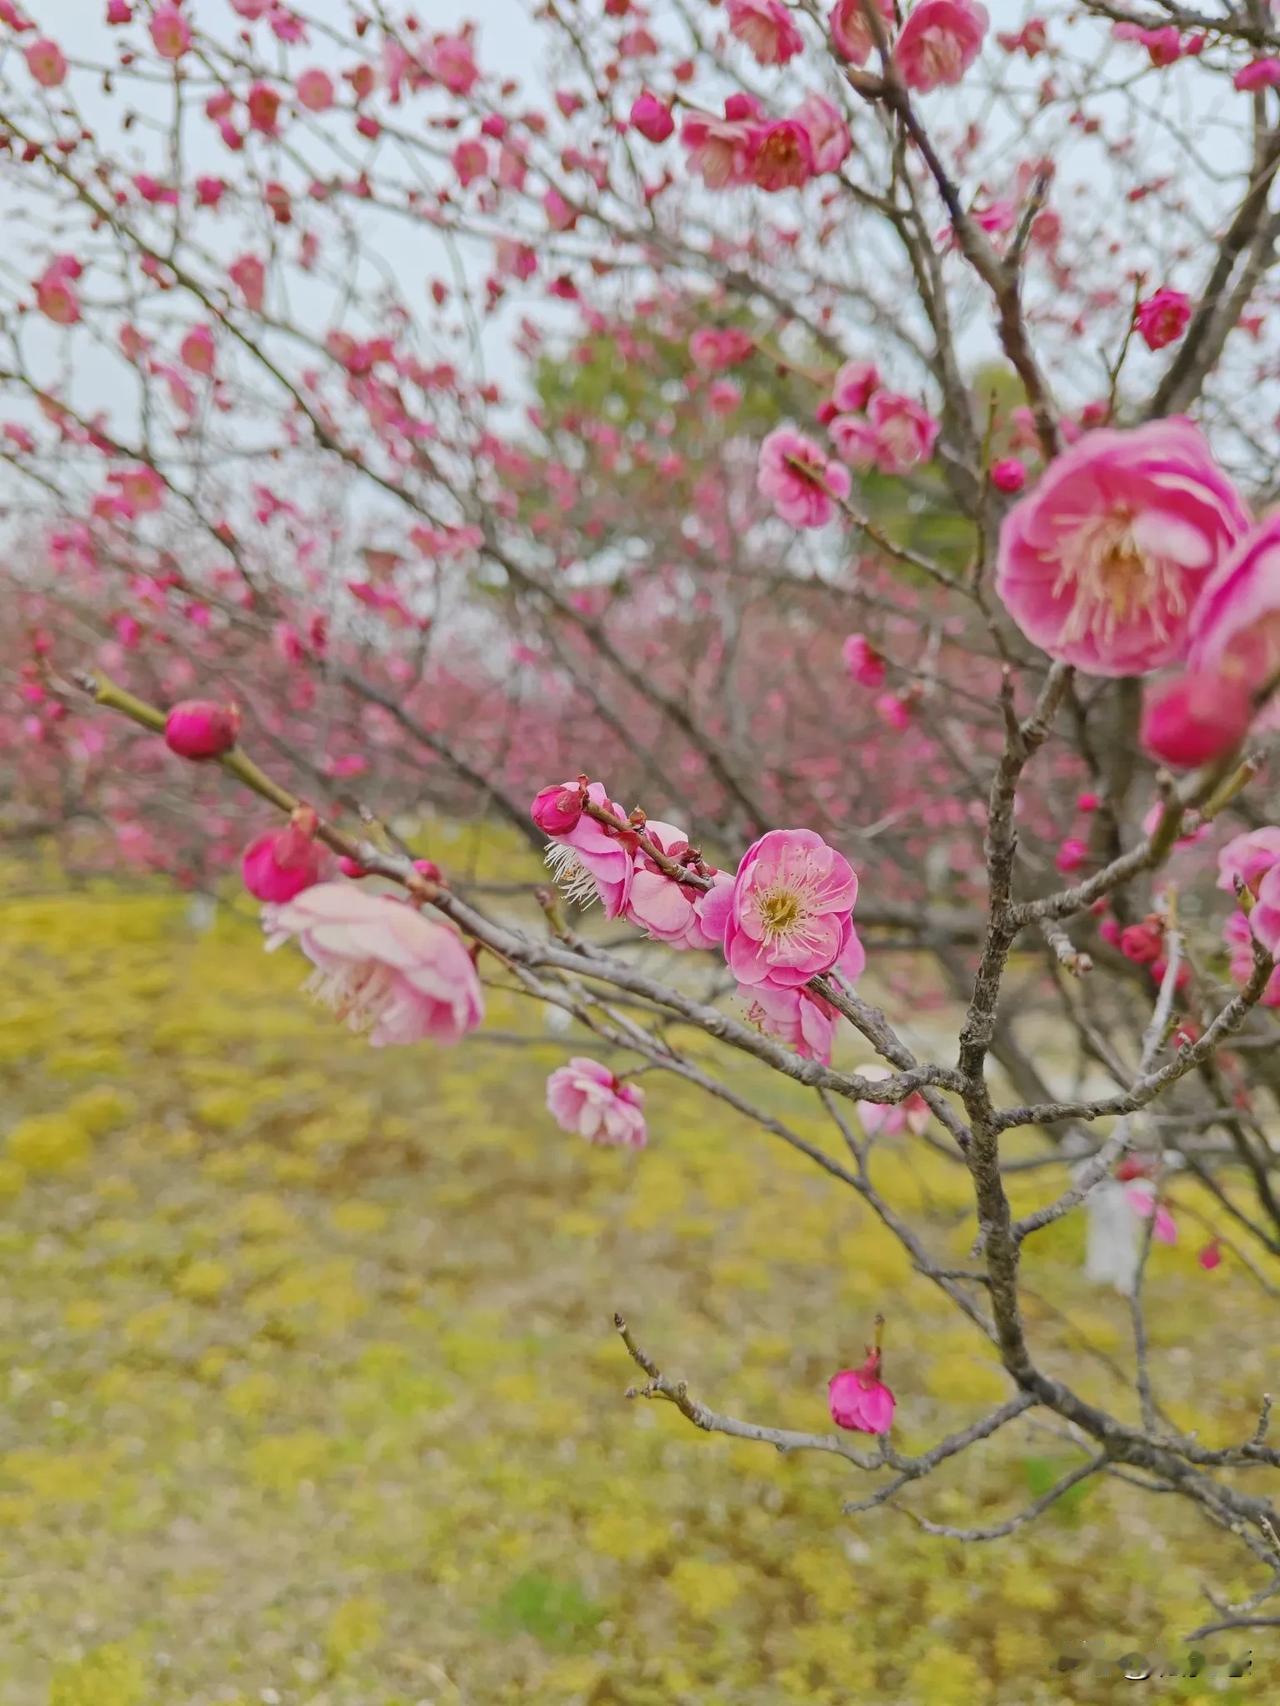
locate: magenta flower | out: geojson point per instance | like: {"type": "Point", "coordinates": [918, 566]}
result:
{"type": "Point", "coordinates": [652, 117]}
{"type": "Point", "coordinates": [1264, 920]}
{"type": "Point", "coordinates": [1209, 1255]}
{"type": "Point", "coordinates": [863, 661]}
{"type": "Point", "coordinates": [558, 809]}
{"type": "Point", "coordinates": [853, 387]}
{"type": "Point", "coordinates": [587, 1099]}
{"type": "Point", "coordinates": [201, 728]}
{"type": "Point", "coordinates": [381, 965]}
{"type": "Point", "coordinates": [1196, 718]}
{"type": "Point", "coordinates": [939, 42]}
{"type": "Point", "coordinates": [859, 1399]}
{"type": "Point", "coordinates": [799, 479]}
{"type": "Point", "coordinates": [1248, 858]}
{"type": "Point", "coordinates": [1162, 318]}
{"type": "Point", "coordinates": [1235, 626]}
{"type": "Point", "coordinates": [780, 155]}
{"type": "Point", "coordinates": [591, 861]}
{"type": "Point", "coordinates": [880, 1119]}
{"type": "Point", "coordinates": [1009, 475]}
{"type": "Point", "coordinates": [791, 912]}
{"type": "Point", "coordinates": [1100, 564]}
{"type": "Point", "coordinates": [765, 27]}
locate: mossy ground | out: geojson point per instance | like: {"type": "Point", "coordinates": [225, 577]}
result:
{"type": "Point", "coordinates": [311, 1395]}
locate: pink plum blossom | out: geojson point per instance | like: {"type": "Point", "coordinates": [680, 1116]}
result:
{"type": "Point", "coordinates": [1142, 1199]}
{"type": "Point", "coordinates": [939, 42]}
{"type": "Point", "coordinates": [588, 1100]}
{"type": "Point", "coordinates": [1196, 718]}
{"type": "Point", "coordinates": [593, 861]}
{"type": "Point", "coordinates": [1162, 318]}
{"type": "Point", "coordinates": [798, 478]}
{"type": "Point", "coordinates": [557, 810]}
{"type": "Point", "coordinates": [1264, 920]}
{"type": "Point", "coordinates": [1101, 563]}
{"type": "Point", "coordinates": [283, 862]}
{"type": "Point", "coordinates": [668, 910]}
{"type": "Point", "coordinates": [796, 1017]}
{"type": "Point", "coordinates": [791, 910]}
{"type": "Point", "coordinates": [46, 62]}
{"type": "Point", "coordinates": [766, 28]}
{"type": "Point", "coordinates": [55, 296]}
{"type": "Point", "coordinates": [652, 117]}
{"type": "Point", "coordinates": [1209, 1255]}
{"type": "Point", "coordinates": [380, 964]}
{"type": "Point", "coordinates": [905, 432]}
{"type": "Point", "coordinates": [1258, 74]}
{"type": "Point", "coordinates": [1235, 626]}
{"type": "Point", "coordinates": [882, 1119]}
{"type": "Point", "coordinates": [863, 662]}
{"type": "Point", "coordinates": [201, 728]}
{"type": "Point", "coordinates": [829, 136]}
{"type": "Point", "coordinates": [249, 276]}
{"type": "Point", "coordinates": [1009, 475]}
{"type": "Point", "coordinates": [854, 385]}
{"type": "Point", "coordinates": [1237, 933]}
{"type": "Point", "coordinates": [1247, 858]}
{"type": "Point", "coordinates": [780, 154]}
{"type": "Point", "coordinates": [851, 32]}
{"type": "Point", "coordinates": [721, 150]}
{"type": "Point", "coordinates": [859, 1400]}
{"type": "Point", "coordinates": [314, 90]}
{"type": "Point", "coordinates": [170, 31]}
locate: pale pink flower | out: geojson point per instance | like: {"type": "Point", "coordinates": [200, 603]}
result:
{"type": "Point", "coordinates": [765, 27]}
{"type": "Point", "coordinates": [1142, 1199]}
{"type": "Point", "coordinates": [780, 155]}
{"type": "Point", "coordinates": [451, 60]}
{"type": "Point", "coordinates": [939, 42]}
{"type": "Point", "coordinates": [799, 479]}
{"type": "Point", "coordinates": [860, 1400]}
{"type": "Point", "coordinates": [591, 861]}
{"type": "Point", "coordinates": [828, 133]}
{"type": "Point", "coordinates": [1248, 857]}
{"type": "Point", "coordinates": [1196, 718]}
{"type": "Point", "coordinates": [1162, 318]}
{"type": "Point", "coordinates": [46, 62]}
{"type": "Point", "coordinates": [881, 1119]}
{"type": "Point", "coordinates": [905, 432]}
{"type": "Point", "coordinates": [714, 348]}
{"type": "Point", "coordinates": [668, 910]}
{"type": "Point", "coordinates": [1264, 920]}
{"type": "Point", "coordinates": [249, 276]}
{"type": "Point", "coordinates": [854, 385]}
{"type": "Point", "coordinates": [796, 1017]}
{"type": "Point", "coordinates": [1101, 563]}
{"type": "Point", "coordinates": [1235, 625]}
{"type": "Point", "coordinates": [380, 965]}
{"type": "Point", "coordinates": [720, 150]}
{"type": "Point", "coordinates": [588, 1100]}
{"type": "Point", "coordinates": [852, 34]}
{"type": "Point", "coordinates": [863, 661]}
{"type": "Point", "coordinates": [314, 90]}
{"type": "Point", "coordinates": [791, 912]}
{"type": "Point", "coordinates": [1238, 935]}
{"type": "Point", "coordinates": [55, 297]}
{"type": "Point", "coordinates": [283, 862]}
{"type": "Point", "coordinates": [197, 350]}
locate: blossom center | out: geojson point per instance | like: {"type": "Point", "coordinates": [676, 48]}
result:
{"type": "Point", "coordinates": [779, 910]}
{"type": "Point", "coordinates": [1112, 581]}
{"type": "Point", "coordinates": [575, 880]}
{"type": "Point", "coordinates": [359, 993]}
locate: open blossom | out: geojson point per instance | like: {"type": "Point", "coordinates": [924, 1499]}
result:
{"type": "Point", "coordinates": [854, 386]}
{"type": "Point", "coordinates": [668, 910]}
{"type": "Point", "coordinates": [791, 909]}
{"type": "Point", "coordinates": [881, 1119]}
{"type": "Point", "coordinates": [249, 276]}
{"type": "Point", "coordinates": [1264, 920]}
{"type": "Point", "coordinates": [829, 136]}
{"type": "Point", "coordinates": [591, 861]}
{"type": "Point", "coordinates": [863, 661]}
{"type": "Point", "coordinates": [859, 1399]}
{"type": "Point", "coordinates": [1196, 718]}
{"type": "Point", "coordinates": [905, 432]}
{"type": "Point", "coordinates": [55, 296]}
{"type": "Point", "coordinates": [587, 1099]}
{"type": "Point", "coordinates": [721, 150]}
{"type": "Point", "coordinates": [714, 348]}
{"type": "Point", "coordinates": [1237, 933]}
{"type": "Point", "coordinates": [283, 862]}
{"type": "Point", "coordinates": [314, 90]}
{"type": "Point", "coordinates": [799, 1017]}
{"type": "Point", "coordinates": [170, 32]}
{"type": "Point", "coordinates": [46, 62]}
{"type": "Point", "coordinates": [852, 34]}
{"type": "Point", "coordinates": [1162, 318]}
{"type": "Point", "coordinates": [799, 479]}
{"type": "Point", "coordinates": [780, 154]}
{"type": "Point", "coordinates": [380, 964]}
{"type": "Point", "coordinates": [1235, 626]}
{"type": "Point", "coordinates": [765, 27]}
{"type": "Point", "coordinates": [1248, 857]}
{"type": "Point", "coordinates": [939, 42]}
{"type": "Point", "coordinates": [1101, 563]}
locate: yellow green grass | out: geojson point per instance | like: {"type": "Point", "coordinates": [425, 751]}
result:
{"type": "Point", "coordinates": [311, 1394]}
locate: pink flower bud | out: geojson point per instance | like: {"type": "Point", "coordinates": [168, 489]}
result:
{"type": "Point", "coordinates": [1162, 318]}
{"type": "Point", "coordinates": [652, 118]}
{"type": "Point", "coordinates": [556, 810]}
{"type": "Point", "coordinates": [201, 728]}
{"type": "Point", "coordinates": [1141, 943]}
{"type": "Point", "coordinates": [281, 863]}
{"type": "Point", "coordinates": [1195, 719]}
{"type": "Point", "coordinates": [857, 1398]}
{"type": "Point", "coordinates": [1210, 1255]}
{"type": "Point", "coordinates": [1071, 855]}
{"type": "Point", "coordinates": [1009, 475]}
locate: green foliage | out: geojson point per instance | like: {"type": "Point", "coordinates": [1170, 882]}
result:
{"type": "Point", "coordinates": [556, 1612]}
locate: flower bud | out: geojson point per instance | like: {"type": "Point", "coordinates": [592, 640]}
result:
{"type": "Point", "coordinates": [556, 810]}
{"type": "Point", "coordinates": [201, 728]}
{"type": "Point", "coordinates": [281, 863]}
{"type": "Point", "coordinates": [652, 118]}
{"type": "Point", "coordinates": [1009, 475]}
{"type": "Point", "coordinates": [1195, 719]}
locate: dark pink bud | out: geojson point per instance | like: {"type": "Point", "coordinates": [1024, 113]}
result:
{"type": "Point", "coordinates": [1195, 719]}
{"type": "Point", "coordinates": [1009, 475]}
{"type": "Point", "coordinates": [652, 118]}
{"type": "Point", "coordinates": [556, 810]}
{"type": "Point", "coordinates": [1141, 943]}
{"type": "Point", "coordinates": [281, 863]}
{"type": "Point", "coordinates": [201, 728]}
{"type": "Point", "coordinates": [429, 869]}
{"type": "Point", "coordinates": [1210, 1256]}
{"type": "Point", "coordinates": [351, 868]}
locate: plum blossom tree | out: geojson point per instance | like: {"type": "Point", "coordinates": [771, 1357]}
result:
{"type": "Point", "coordinates": [859, 470]}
